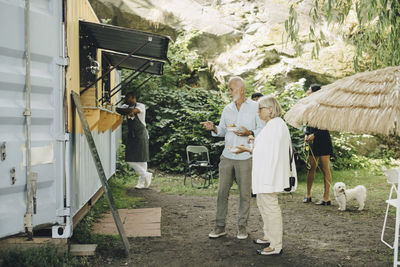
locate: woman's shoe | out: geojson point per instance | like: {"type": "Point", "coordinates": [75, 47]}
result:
{"type": "Point", "coordinates": [261, 241]}
{"type": "Point", "coordinates": [323, 203]}
{"type": "Point", "coordinates": [307, 200]}
{"type": "Point", "coordinates": [269, 251]}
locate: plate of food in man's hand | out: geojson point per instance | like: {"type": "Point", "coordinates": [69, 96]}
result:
{"type": "Point", "coordinates": [233, 149]}
{"type": "Point", "coordinates": [232, 128]}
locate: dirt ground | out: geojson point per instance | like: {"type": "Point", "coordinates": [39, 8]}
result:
{"type": "Point", "coordinates": [313, 236]}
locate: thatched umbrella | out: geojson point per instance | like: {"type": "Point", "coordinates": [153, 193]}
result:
{"type": "Point", "coordinates": [367, 102]}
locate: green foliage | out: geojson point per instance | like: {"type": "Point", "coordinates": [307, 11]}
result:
{"type": "Point", "coordinates": [41, 256]}
{"type": "Point", "coordinates": [123, 170]}
{"type": "Point", "coordinates": [173, 184]}
{"type": "Point", "coordinates": [181, 56]}
{"type": "Point", "coordinates": [175, 107]}
{"type": "Point", "coordinates": [174, 116]}
{"type": "Point", "coordinates": [389, 147]}
{"type": "Point", "coordinates": [346, 156]}
{"type": "Point", "coordinates": [375, 36]}
{"type": "Point", "coordinates": [292, 93]}
{"type": "Point", "coordinates": [292, 29]}
{"type": "Point", "coordinates": [185, 64]}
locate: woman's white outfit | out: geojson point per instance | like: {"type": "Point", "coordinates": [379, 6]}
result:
{"type": "Point", "coordinates": [270, 175]}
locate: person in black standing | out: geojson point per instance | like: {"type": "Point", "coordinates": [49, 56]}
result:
{"type": "Point", "coordinates": [320, 150]}
{"type": "Point", "coordinates": [137, 141]}
{"type": "Point", "coordinates": [256, 96]}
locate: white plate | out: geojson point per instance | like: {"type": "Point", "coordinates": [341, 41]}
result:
{"type": "Point", "coordinates": [233, 149]}
{"type": "Point", "coordinates": [232, 129]}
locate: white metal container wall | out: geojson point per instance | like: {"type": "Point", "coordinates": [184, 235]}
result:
{"type": "Point", "coordinates": [86, 181]}
{"type": "Point", "coordinates": [47, 121]}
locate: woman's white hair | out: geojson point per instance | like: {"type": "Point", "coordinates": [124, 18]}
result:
{"type": "Point", "coordinates": [269, 101]}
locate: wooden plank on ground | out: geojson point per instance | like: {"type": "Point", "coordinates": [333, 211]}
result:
{"type": "Point", "coordinates": [82, 249]}
{"type": "Point", "coordinates": [137, 222]}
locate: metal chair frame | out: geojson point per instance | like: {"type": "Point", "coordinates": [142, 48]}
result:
{"type": "Point", "coordinates": [393, 178]}
{"type": "Point", "coordinates": [192, 164]}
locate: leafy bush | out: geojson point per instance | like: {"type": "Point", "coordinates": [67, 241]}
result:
{"type": "Point", "coordinates": [123, 170]}
{"type": "Point", "coordinates": [174, 116]}
{"type": "Point", "coordinates": [287, 98]}
{"type": "Point", "coordinates": [176, 104]}
{"type": "Point", "coordinates": [347, 155]}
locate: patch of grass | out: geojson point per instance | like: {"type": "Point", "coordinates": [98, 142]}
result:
{"type": "Point", "coordinates": [385, 256]}
{"type": "Point", "coordinates": [173, 184]}
{"type": "Point", "coordinates": [377, 187]}
{"type": "Point", "coordinates": [83, 231]}
{"type": "Point", "coordinates": [41, 256]}
{"type": "Point", "coordinates": [119, 187]}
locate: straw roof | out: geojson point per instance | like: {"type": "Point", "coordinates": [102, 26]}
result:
{"type": "Point", "coordinates": [367, 102]}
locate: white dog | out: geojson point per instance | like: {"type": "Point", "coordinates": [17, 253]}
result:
{"type": "Point", "coordinates": [343, 195]}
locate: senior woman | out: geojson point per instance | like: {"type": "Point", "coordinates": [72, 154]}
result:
{"type": "Point", "coordinates": [271, 171]}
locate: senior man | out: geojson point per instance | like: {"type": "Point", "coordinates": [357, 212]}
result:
{"type": "Point", "coordinates": [239, 119]}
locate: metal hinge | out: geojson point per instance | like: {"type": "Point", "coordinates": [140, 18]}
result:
{"type": "Point", "coordinates": [34, 178]}
{"type": "Point", "coordinates": [62, 61]}
{"type": "Point", "coordinates": [12, 173]}
{"type": "Point", "coordinates": [3, 151]}
{"type": "Point", "coordinates": [63, 212]}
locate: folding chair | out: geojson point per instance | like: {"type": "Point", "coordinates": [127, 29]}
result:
{"type": "Point", "coordinates": [197, 159]}
{"type": "Point", "coordinates": [393, 178]}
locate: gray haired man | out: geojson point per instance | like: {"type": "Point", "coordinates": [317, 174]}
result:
{"type": "Point", "coordinates": [239, 119]}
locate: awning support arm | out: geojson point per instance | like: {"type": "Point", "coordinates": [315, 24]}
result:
{"type": "Point", "coordinates": [129, 77]}
{"type": "Point", "coordinates": [143, 83]}
{"type": "Point", "coordinates": [127, 80]}
{"type": "Point", "coordinates": [117, 65]}
{"type": "Point", "coordinates": [137, 75]}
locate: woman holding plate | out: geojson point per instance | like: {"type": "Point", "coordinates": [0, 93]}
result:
{"type": "Point", "coordinates": [271, 171]}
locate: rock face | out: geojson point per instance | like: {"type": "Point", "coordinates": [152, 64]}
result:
{"type": "Point", "coordinates": [245, 38]}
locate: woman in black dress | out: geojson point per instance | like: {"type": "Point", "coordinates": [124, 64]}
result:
{"type": "Point", "coordinates": [321, 149]}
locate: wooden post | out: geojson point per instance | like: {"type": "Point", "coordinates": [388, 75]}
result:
{"type": "Point", "coordinates": [100, 171]}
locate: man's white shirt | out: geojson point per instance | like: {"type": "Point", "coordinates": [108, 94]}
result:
{"type": "Point", "coordinates": [248, 117]}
